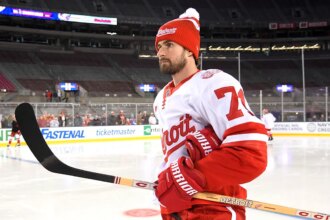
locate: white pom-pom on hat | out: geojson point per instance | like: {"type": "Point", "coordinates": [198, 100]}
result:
{"type": "Point", "coordinates": [190, 13]}
{"type": "Point", "coordinates": [184, 30]}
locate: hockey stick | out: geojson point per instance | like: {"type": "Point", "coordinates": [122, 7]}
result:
{"type": "Point", "coordinates": [32, 135]}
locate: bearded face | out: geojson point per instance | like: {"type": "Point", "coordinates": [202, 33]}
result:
{"type": "Point", "coordinates": [171, 67]}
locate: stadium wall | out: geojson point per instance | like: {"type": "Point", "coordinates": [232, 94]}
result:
{"type": "Point", "coordinates": [65, 135]}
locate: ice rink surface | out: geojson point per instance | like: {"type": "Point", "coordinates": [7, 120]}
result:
{"type": "Point", "coordinates": [298, 176]}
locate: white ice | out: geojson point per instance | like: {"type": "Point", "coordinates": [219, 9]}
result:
{"type": "Point", "coordinates": [298, 176]}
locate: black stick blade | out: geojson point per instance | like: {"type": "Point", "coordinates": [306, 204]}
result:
{"type": "Point", "coordinates": [32, 135]}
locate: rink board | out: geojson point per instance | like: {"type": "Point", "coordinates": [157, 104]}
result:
{"type": "Point", "coordinates": [63, 135]}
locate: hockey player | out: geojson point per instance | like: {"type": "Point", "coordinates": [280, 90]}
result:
{"type": "Point", "coordinates": [211, 140]}
{"type": "Point", "coordinates": [15, 133]}
{"type": "Point", "coordinates": [268, 118]}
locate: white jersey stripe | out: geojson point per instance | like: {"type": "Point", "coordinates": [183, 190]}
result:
{"type": "Point", "coordinates": [232, 211]}
{"type": "Point", "coordinates": [240, 121]}
{"type": "Point", "coordinates": [245, 137]}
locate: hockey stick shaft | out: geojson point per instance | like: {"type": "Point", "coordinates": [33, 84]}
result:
{"type": "Point", "coordinates": [33, 137]}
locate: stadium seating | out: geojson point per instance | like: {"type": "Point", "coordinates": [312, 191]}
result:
{"type": "Point", "coordinates": [73, 59]}
{"type": "Point", "coordinates": [14, 56]}
{"type": "Point", "coordinates": [120, 71]}
{"type": "Point", "coordinates": [5, 84]}
{"type": "Point", "coordinates": [226, 11]}
{"type": "Point", "coordinates": [40, 71]}
{"type": "Point", "coordinates": [117, 72]}
{"type": "Point", "coordinates": [37, 84]}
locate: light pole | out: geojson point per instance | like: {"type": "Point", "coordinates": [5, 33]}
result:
{"type": "Point", "coordinates": [303, 82]}
{"type": "Point", "coordinates": [326, 103]}
{"type": "Point", "coordinates": [202, 53]}
{"type": "Point", "coordinates": [239, 66]}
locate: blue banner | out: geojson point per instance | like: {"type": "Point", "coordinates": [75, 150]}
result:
{"type": "Point", "coordinates": [19, 12]}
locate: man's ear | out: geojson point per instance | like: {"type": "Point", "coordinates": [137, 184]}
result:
{"type": "Point", "coordinates": [189, 53]}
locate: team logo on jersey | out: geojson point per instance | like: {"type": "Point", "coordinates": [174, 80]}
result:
{"type": "Point", "coordinates": [207, 75]}
{"type": "Point", "coordinates": [173, 136]}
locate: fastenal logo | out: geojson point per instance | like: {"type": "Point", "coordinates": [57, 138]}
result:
{"type": "Point", "coordinates": [147, 130]}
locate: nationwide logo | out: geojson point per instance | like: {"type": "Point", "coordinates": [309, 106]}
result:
{"type": "Point", "coordinates": [311, 127]}
{"type": "Point", "coordinates": [147, 130]}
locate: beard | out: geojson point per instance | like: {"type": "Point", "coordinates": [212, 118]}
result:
{"type": "Point", "coordinates": [168, 67]}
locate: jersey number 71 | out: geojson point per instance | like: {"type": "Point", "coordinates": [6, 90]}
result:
{"type": "Point", "coordinates": [234, 111]}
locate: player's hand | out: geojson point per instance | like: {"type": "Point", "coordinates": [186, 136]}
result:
{"type": "Point", "coordinates": [200, 143]}
{"type": "Point", "coordinates": [177, 184]}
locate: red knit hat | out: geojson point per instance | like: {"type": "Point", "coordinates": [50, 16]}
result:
{"type": "Point", "coordinates": [183, 30]}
